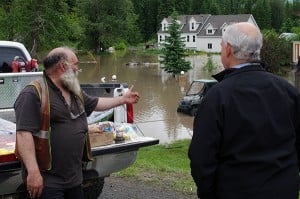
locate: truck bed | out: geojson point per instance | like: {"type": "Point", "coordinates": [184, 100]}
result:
{"type": "Point", "coordinates": [106, 160]}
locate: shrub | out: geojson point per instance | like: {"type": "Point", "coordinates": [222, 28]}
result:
{"type": "Point", "coordinates": [120, 46]}
{"type": "Point", "coordinates": [276, 52]}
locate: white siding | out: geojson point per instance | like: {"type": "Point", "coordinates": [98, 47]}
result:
{"type": "Point", "coordinates": [190, 44]}
{"type": "Point", "coordinates": [163, 37]}
{"type": "Point", "coordinates": [202, 44]}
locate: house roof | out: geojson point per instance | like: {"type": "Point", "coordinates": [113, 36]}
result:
{"type": "Point", "coordinates": [184, 20]}
{"type": "Point", "coordinates": [218, 21]}
{"type": "Point", "coordinates": [215, 21]}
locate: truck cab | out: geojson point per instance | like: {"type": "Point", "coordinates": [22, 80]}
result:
{"type": "Point", "coordinates": [194, 95]}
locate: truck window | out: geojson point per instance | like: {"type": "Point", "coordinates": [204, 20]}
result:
{"type": "Point", "coordinates": [7, 54]}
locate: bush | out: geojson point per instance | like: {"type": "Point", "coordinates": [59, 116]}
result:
{"type": "Point", "coordinates": [120, 46]}
{"type": "Point", "coordinates": [210, 65]}
{"type": "Point", "coordinates": [276, 52]}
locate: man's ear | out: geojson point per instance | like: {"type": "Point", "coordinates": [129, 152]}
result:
{"type": "Point", "coordinates": [62, 67]}
{"type": "Point", "coordinates": [228, 50]}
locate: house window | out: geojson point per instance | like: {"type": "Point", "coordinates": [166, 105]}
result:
{"type": "Point", "coordinates": [224, 30]}
{"type": "Point", "coordinates": [160, 38]}
{"type": "Point", "coordinates": [194, 38]}
{"type": "Point", "coordinates": [188, 38]}
{"type": "Point", "coordinates": [209, 31]}
{"type": "Point", "coordinates": [193, 26]}
{"type": "Point", "coordinates": [165, 28]}
{"type": "Point", "coordinates": [209, 45]}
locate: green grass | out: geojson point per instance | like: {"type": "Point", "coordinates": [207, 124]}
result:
{"type": "Point", "coordinates": [167, 165]}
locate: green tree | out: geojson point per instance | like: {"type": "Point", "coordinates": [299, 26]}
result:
{"type": "Point", "coordinates": [248, 6]}
{"type": "Point", "coordinates": [39, 24]}
{"type": "Point", "coordinates": [147, 23]}
{"type": "Point", "coordinates": [203, 7]}
{"type": "Point", "coordinates": [165, 9]}
{"type": "Point", "coordinates": [277, 10]}
{"type": "Point", "coordinates": [108, 23]}
{"type": "Point", "coordinates": [231, 6]}
{"type": "Point", "coordinates": [196, 7]}
{"type": "Point", "coordinates": [210, 65]}
{"type": "Point", "coordinates": [214, 8]}
{"type": "Point", "coordinates": [173, 50]}
{"type": "Point", "coordinates": [183, 7]}
{"type": "Point", "coordinates": [262, 13]}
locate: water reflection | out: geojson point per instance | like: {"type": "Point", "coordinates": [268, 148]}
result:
{"type": "Point", "coordinates": [160, 93]}
{"type": "Point", "coordinates": [156, 113]}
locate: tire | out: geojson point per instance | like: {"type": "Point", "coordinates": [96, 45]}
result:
{"type": "Point", "coordinates": [92, 184]}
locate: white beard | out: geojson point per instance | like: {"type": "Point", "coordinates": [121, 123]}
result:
{"type": "Point", "coordinates": [70, 81]}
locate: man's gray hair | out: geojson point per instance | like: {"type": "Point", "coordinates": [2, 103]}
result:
{"type": "Point", "coordinates": [244, 46]}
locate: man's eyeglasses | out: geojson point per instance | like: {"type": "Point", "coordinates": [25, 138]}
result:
{"type": "Point", "coordinates": [74, 117]}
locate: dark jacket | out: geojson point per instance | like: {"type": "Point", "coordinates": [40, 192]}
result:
{"type": "Point", "coordinates": [246, 137]}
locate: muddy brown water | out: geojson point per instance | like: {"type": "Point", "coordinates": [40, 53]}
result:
{"type": "Point", "coordinates": [155, 114]}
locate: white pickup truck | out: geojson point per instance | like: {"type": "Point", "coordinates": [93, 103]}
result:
{"type": "Point", "coordinates": [16, 71]}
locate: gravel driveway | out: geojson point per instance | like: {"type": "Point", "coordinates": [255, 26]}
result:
{"type": "Point", "coordinates": [129, 188]}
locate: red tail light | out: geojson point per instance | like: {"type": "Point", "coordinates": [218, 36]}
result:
{"type": "Point", "coordinates": [129, 113]}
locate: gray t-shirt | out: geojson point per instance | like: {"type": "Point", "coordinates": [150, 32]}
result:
{"type": "Point", "coordinates": [67, 134]}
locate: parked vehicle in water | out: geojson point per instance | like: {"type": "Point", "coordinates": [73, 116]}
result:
{"type": "Point", "coordinates": [194, 95]}
{"type": "Point", "coordinates": [107, 158]}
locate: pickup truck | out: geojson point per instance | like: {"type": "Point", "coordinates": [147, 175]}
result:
{"type": "Point", "coordinates": [107, 159]}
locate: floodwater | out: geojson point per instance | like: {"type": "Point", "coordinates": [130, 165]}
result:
{"type": "Point", "coordinates": [155, 114]}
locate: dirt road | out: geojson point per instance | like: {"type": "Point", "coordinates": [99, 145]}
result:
{"type": "Point", "coordinates": [129, 188]}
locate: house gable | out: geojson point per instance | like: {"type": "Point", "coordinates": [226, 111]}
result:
{"type": "Point", "coordinates": [193, 25]}
{"type": "Point", "coordinates": [164, 25]}
{"type": "Point", "coordinates": [223, 27]}
{"type": "Point", "coordinates": [210, 30]}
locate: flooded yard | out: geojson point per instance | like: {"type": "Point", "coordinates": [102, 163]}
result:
{"type": "Point", "coordinates": [155, 114]}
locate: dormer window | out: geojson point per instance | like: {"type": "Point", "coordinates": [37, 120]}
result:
{"type": "Point", "coordinates": [165, 27]}
{"type": "Point", "coordinates": [224, 30]}
{"type": "Point", "coordinates": [209, 31]}
{"type": "Point", "coordinates": [193, 26]}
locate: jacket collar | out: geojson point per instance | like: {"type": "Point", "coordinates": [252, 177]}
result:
{"type": "Point", "coordinates": [253, 66]}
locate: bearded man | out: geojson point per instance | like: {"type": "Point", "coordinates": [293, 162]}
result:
{"type": "Point", "coordinates": [60, 176]}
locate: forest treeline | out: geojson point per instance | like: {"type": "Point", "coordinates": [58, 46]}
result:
{"type": "Point", "coordinates": [98, 24]}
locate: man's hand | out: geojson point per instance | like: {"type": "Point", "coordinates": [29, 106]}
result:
{"type": "Point", "coordinates": [131, 97]}
{"type": "Point", "coordinates": [26, 150]}
{"type": "Point", "coordinates": [34, 183]}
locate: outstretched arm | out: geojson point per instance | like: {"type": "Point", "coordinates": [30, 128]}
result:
{"type": "Point", "coordinates": [130, 97]}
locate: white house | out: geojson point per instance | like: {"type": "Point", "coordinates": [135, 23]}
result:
{"type": "Point", "coordinates": [202, 32]}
